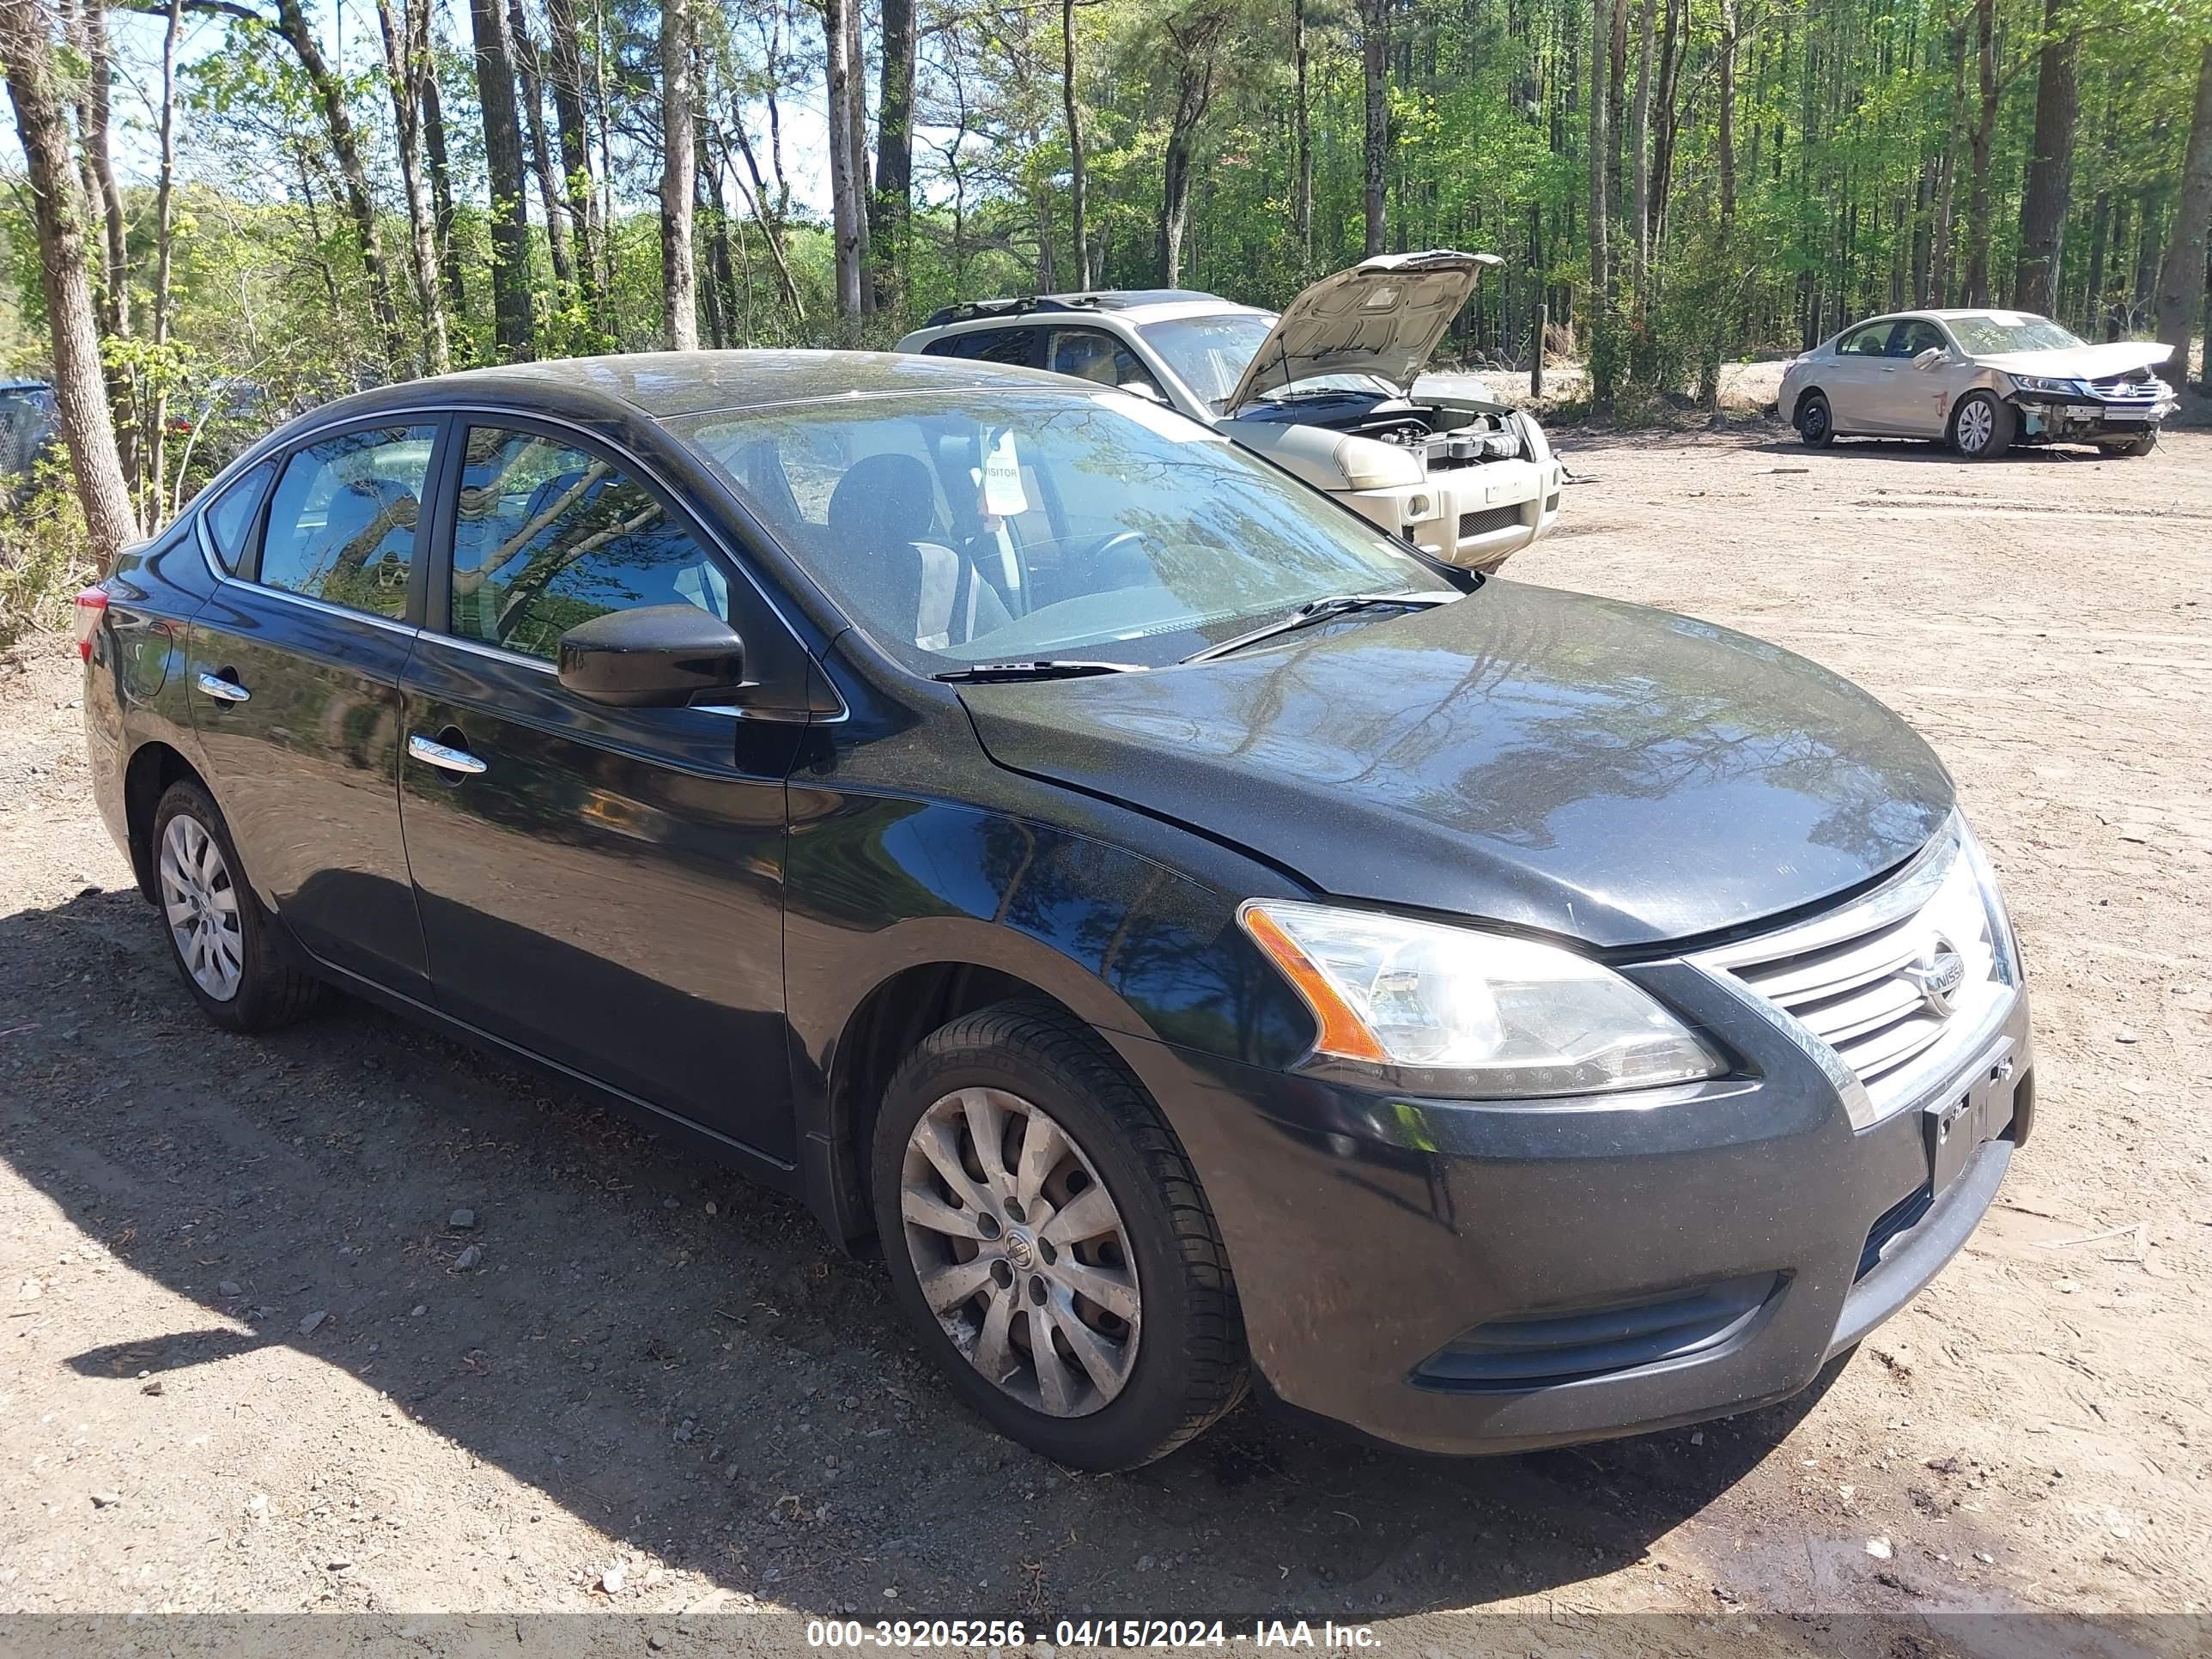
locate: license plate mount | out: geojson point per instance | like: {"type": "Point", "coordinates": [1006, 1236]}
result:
{"type": "Point", "coordinates": [1955, 1127]}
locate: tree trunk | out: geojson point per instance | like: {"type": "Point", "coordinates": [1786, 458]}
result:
{"type": "Point", "coordinates": [845, 215]}
{"type": "Point", "coordinates": [441, 190]}
{"type": "Point", "coordinates": [567, 78]}
{"type": "Point", "coordinates": [99, 75]}
{"type": "Point", "coordinates": [771, 224]}
{"type": "Point", "coordinates": [890, 205]}
{"type": "Point", "coordinates": [856, 111]}
{"type": "Point", "coordinates": [1639, 147]}
{"type": "Point", "coordinates": [300, 34]}
{"type": "Point", "coordinates": [679, 281]}
{"type": "Point", "coordinates": [1078, 225]}
{"type": "Point", "coordinates": [1374, 30]}
{"type": "Point", "coordinates": [1303, 212]}
{"type": "Point", "coordinates": [2181, 279]}
{"type": "Point", "coordinates": [2049, 166]}
{"type": "Point", "coordinates": [1601, 345]}
{"type": "Point", "coordinates": [165, 219]}
{"type": "Point", "coordinates": [1947, 176]}
{"type": "Point", "coordinates": [406, 61]}
{"type": "Point", "coordinates": [1193, 38]}
{"type": "Point", "coordinates": [552, 199]}
{"type": "Point", "coordinates": [57, 217]}
{"type": "Point", "coordinates": [510, 208]}
{"type": "Point", "coordinates": [1985, 126]}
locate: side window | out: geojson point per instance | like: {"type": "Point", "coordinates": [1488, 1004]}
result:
{"type": "Point", "coordinates": [548, 536]}
{"type": "Point", "coordinates": [229, 517]}
{"type": "Point", "coordinates": [1017, 346]}
{"type": "Point", "coordinates": [342, 519]}
{"type": "Point", "coordinates": [1872, 341]}
{"type": "Point", "coordinates": [1914, 338]}
{"type": "Point", "coordinates": [1091, 354]}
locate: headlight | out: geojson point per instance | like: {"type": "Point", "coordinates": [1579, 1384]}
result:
{"type": "Point", "coordinates": [2003, 944]}
{"type": "Point", "coordinates": [2038, 383]}
{"type": "Point", "coordinates": [1510, 1016]}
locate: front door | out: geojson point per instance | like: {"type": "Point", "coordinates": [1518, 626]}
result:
{"type": "Point", "coordinates": [295, 691]}
{"type": "Point", "coordinates": [602, 886]}
{"type": "Point", "coordinates": [1925, 394]}
{"type": "Point", "coordinates": [1858, 385]}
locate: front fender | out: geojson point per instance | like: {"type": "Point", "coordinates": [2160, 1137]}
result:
{"type": "Point", "coordinates": [880, 884]}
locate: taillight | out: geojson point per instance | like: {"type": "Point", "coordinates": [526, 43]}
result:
{"type": "Point", "coordinates": [91, 606]}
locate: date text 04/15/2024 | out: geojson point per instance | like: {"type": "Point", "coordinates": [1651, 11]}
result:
{"type": "Point", "coordinates": [1283, 1633]}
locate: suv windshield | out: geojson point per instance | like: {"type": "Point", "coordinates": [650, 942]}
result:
{"type": "Point", "coordinates": [1995, 331]}
{"type": "Point", "coordinates": [981, 527]}
{"type": "Point", "coordinates": [1209, 355]}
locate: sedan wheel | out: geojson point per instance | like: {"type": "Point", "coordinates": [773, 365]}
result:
{"type": "Point", "coordinates": [226, 946]}
{"type": "Point", "coordinates": [1021, 1251]}
{"type": "Point", "coordinates": [1981, 428]}
{"type": "Point", "coordinates": [1049, 1242]}
{"type": "Point", "coordinates": [200, 900]}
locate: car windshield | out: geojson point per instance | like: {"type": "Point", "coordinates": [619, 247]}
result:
{"type": "Point", "coordinates": [993, 527]}
{"type": "Point", "coordinates": [1987, 333]}
{"type": "Point", "coordinates": [1209, 354]}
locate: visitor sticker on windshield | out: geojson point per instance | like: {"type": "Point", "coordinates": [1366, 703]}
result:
{"type": "Point", "coordinates": [1002, 479]}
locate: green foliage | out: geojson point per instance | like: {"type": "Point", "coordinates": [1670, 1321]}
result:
{"type": "Point", "coordinates": [43, 563]}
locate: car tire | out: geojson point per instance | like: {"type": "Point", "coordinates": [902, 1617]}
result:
{"type": "Point", "coordinates": [1815, 425]}
{"type": "Point", "coordinates": [980, 1279]}
{"type": "Point", "coordinates": [224, 945]}
{"type": "Point", "coordinates": [1982, 427]}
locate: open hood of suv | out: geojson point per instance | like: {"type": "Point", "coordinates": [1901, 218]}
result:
{"type": "Point", "coordinates": [2086, 362]}
{"type": "Point", "coordinates": [1523, 755]}
{"type": "Point", "coordinates": [1382, 317]}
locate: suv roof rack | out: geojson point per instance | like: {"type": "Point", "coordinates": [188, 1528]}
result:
{"type": "Point", "coordinates": [1110, 299]}
{"type": "Point", "coordinates": [970, 311]}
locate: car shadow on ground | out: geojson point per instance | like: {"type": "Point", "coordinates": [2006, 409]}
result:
{"type": "Point", "coordinates": [682, 1360]}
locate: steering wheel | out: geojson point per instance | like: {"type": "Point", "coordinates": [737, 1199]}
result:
{"type": "Point", "coordinates": [1106, 545]}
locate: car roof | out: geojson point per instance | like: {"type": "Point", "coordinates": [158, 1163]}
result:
{"type": "Point", "coordinates": [660, 384]}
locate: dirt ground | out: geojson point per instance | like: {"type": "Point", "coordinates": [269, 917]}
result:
{"type": "Point", "coordinates": [248, 1364]}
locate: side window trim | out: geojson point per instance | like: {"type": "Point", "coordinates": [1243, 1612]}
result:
{"type": "Point", "coordinates": [249, 570]}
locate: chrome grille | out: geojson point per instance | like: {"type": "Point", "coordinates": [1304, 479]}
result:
{"type": "Point", "coordinates": [1893, 984]}
{"type": "Point", "coordinates": [2136, 386]}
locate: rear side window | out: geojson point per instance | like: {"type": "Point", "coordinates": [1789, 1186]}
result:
{"type": "Point", "coordinates": [229, 519]}
{"type": "Point", "coordinates": [1872, 341]}
{"type": "Point", "coordinates": [1017, 346]}
{"type": "Point", "coordinates": [548, 536]}
{"type": "Point", "coordinates": [342, 521]}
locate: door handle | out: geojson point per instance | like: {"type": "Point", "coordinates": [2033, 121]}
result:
{"type": "Point", "coordinates": [458, 762]}
{"type": "Point", "coordinates": [222, 689]}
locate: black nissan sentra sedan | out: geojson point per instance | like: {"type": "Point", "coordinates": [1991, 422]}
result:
{"type": "Point", "coordinates": [1203, 942]}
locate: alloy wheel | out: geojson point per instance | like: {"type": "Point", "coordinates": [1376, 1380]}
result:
{"type": "Point", "coordinates": [200, 902]}
{"type": "Point", "coordinates": [1020, 1251]}
{"type": "Point", "coordinates": [1976, 422]}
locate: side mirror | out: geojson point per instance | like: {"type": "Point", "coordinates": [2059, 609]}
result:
{"type": "Point", "coordinates": [1933, 357]}
{"type": "Point", "coordinates": [659, 656]}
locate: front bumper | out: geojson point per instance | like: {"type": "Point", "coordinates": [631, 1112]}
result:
{"type": "Point", "coordinates": [1372, 1234]}
{"type": "Point", "coordinates": [1473, 516]}
{"type": "Point", "coordinates": [2090, 418]}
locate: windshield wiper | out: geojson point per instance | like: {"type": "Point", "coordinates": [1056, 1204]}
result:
{"type": "Point", "coordinates": [1336, 604]}
{"type": "Point", "coordinates": [1046, 668]}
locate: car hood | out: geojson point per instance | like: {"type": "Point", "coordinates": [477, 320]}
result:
{"type": "Point", "coordinates": [1382, 317]}
{"type": "Point", "coordinates": [2086, 363]}
{"type": "Point", "coordinates": [1524, 755]}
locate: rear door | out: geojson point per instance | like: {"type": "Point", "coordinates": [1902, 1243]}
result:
{"type": "Point", "coordinates": [601, 886]}
{"type": "Point", "coordinates": [293, 687]}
